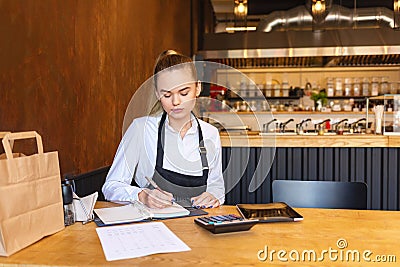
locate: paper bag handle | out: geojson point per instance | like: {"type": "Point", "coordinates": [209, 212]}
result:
{"type": "Point", "coordinates": [2, 134]}
{"type": "Point", "coordinates": [21, 135]}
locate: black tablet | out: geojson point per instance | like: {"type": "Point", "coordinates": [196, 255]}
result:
{"type": "Point", "coordinates": [270, 212]}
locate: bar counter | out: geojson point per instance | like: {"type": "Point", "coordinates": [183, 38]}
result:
{"type": "Point", "coordinates": [293, 140]}
{"type": "Point", "coordinates": [251, 162]}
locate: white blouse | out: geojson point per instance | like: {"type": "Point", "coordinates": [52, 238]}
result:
{"type": "Point", "coordinates": [136, 155]}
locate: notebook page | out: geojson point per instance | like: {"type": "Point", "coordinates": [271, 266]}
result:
{"type": "Point", "coordinates": [121, 214]}
{"type": "Point", "coordinates": [175, 210]}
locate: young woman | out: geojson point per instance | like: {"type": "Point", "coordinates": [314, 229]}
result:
{"type": "Point", "coordinates": [171, 154]}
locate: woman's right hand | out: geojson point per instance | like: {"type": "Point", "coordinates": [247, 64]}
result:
{"type": "Point", "coordinates": [155, 198]}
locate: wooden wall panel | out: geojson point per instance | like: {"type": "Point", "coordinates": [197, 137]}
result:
{"type": "Point", "coordinates": [69, 68]}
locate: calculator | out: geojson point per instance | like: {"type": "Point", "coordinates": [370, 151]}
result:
{"type": "Point", "coordinates": [225, 223]}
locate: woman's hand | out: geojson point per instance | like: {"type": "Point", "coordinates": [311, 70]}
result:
{"type": "Point", "coordinates": [155, 198]}
{"type": "Point", "coordinates": [205, 200]}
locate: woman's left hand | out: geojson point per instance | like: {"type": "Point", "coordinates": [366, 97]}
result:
{"type": "Point", "coordinates": [205, 200]}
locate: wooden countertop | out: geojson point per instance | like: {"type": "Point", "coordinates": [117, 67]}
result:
{"type": "Point", "coordinates": [370, 234]}
{"type": "Point", "coordinates": [356, 140]}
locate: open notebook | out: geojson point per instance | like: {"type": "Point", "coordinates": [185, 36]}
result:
{"type": "Point", "coordinates": [136, 211]}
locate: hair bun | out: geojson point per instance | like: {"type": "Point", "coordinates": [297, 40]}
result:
{"type": "Point", "coordinates": [168, 52]}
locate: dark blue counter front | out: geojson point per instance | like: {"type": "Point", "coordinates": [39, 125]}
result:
{"type": "Point", "coordinates": [378, 167]}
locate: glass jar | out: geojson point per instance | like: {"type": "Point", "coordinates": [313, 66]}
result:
{"type": "Point", "coordinates": [244, 90]}
{"type": "Point", "coordinates": [365, 87]}
{"type": "Point", "coordinates": [285, 88]}
{"type": "Point", "coordinates": [268, 88]}
{"type": "Point", "coordinates": [347, 105]}
{"type": "Point", "coordinates": [329, 87]}
{"type": "Point", "coordinates": [243, 106]}
{"type": "Point", "coordinates": [356, 87]}
{"type": "Point", "coordinates": [277, 90]}
{"type": "Point", "coordinates": [237, 106]}
{"type": "Point", "coordinates": [265, 106]}
{"type": "Point", "coordinates": [385, 86]}
{"type": "Point", "coordinates": [336, 106]}
{"type": "Point", "coordinates": [253, 106]}
{"type": "Point", "coordinates": [347, 87]}
{"type": "Point", "coordinates": [393, 87]}
{"type": "Point", "coordinates": [375, 86]}
{"type": "Point", "coordinates": [338, 88]}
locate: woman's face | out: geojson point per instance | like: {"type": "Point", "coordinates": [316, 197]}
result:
{"type": "Point", "coordinates": [177, 91]}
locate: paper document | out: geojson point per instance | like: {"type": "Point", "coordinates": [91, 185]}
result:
{"type": "Point", "coordinates": [137, 211]}
{"type": "Point", "coordinates": [137, 240]}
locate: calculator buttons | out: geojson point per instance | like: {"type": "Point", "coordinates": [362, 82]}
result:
{"type": "Point", "coordinates": [225, 223]}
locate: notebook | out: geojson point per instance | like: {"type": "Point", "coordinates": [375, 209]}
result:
{"type": "Point", "coordinates": [136, 211]}
{"type": "Point", "coordinates": [270, 212]}
{"type": "Point", "coordinates": [84, 207]}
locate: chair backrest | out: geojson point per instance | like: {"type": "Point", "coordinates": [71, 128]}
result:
{"type": "Point", "coordinates": [320, 194]}
{"type": "Point", "coordinates": [90, 182]}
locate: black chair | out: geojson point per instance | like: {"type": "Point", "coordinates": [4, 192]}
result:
{"type": "Point", "coordinates": [320, 194]}
{"type": "Point", "coordinates": [90, 182]}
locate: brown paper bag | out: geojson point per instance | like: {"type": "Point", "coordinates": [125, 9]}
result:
{"type": "Point", "coordinates": [30, 196]}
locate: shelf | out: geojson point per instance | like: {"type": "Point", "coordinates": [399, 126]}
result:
{"type": "Point", "coordinates": [297, 97]}
{"type": "Point", "coordinates": [347, 97]}
{"type": "Point", "coordinates": [384, 97]}
{"type": "Point", "coordinates": [287, 112]}
{"type": "Point", "coordinates": [311, 69]}
{"type": "Point", "coordinates": [262, 98]}
{"type": "Point", "coordinates": [271, 98]}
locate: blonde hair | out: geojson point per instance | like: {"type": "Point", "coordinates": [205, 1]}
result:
{"type": "Point", "coordinates": [165, 60]}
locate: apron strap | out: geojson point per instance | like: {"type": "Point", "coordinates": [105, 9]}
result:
{"type": "Point", "coordinates": [202, 149]}
{"type": "Point", "coordinates": [160, 141]}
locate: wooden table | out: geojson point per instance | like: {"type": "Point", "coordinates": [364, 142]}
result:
{"type": "Point", "coordinates": [322, 229]}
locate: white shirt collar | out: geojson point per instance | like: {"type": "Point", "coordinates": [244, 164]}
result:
{"type": "Point", "coordinates": [192, 130]}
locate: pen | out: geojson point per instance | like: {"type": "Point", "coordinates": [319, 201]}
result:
{"type": "Point", "coordinates": [151, 181]}
{"type": "Point", "coordinates": [88, 217]}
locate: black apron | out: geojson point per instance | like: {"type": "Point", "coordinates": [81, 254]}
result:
{"type": "Point", "coordinates": [182, 186]}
